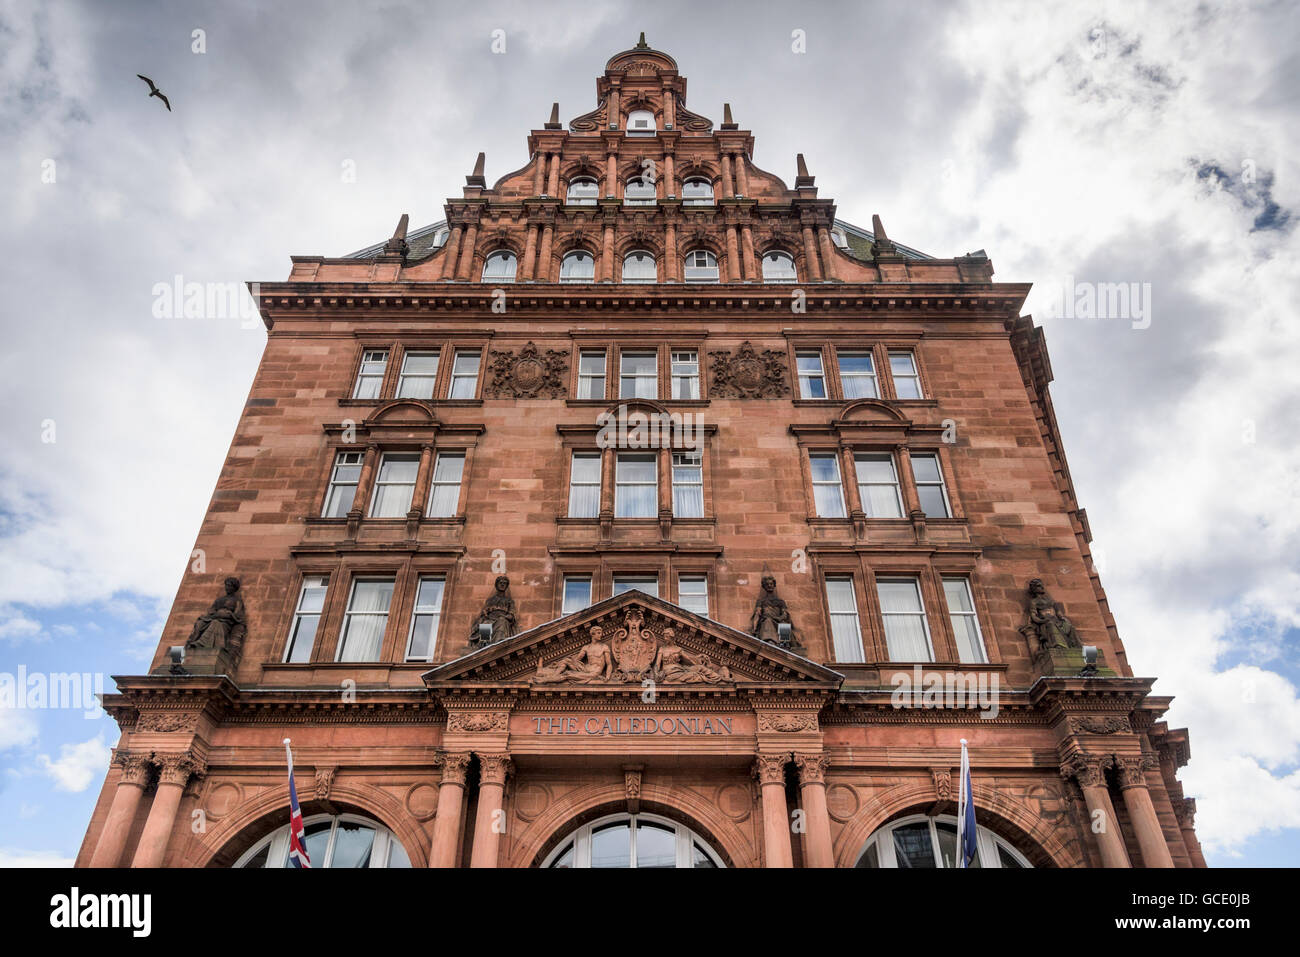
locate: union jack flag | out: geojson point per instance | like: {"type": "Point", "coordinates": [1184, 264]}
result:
{"type": "Point", "coordinates": [297, 835]}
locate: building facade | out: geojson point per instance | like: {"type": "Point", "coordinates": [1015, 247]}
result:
{"type": "Point", "coordinates": [643, 513]}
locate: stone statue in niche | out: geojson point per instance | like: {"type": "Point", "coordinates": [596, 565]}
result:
{"type": "Point", "coordinates": [499, 612]}
{"type": "Point", "coordinates": [770, 612]}
{"type": "Point", "coordinates": [1047, 620]}
{"type": "Point", "coordinates": [590, 663]}
{"type": "Point", "coordinates": [673, 664]}
{"type": "Point", "coordinates": [224, 625]}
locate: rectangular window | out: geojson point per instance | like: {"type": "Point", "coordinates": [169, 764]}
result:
{"type": "Point", "coordinates": [464, 376]}
{"type": "Point", "coordinates": [878, 485]}
{"type": "Point", "coordinates": [907, 381]}
{"type": "Point", "coordinates": [965, 623]}
{"type": "Point", "coordinates": [858, 375]}
{"type": "Point", "coordinates": [394, 485]}
{"type": "Point", "coordinates": [343, 485]}
{"type": "Point", "coordinates": [643, 583]}
{"type": "Point", "coordinates": [846, 632]}
{"type": "Point", "coordinates": [929, 485]}
{"type": "Point", "coordinates": [306, 619]}
{"type": "Point", "coordinates": [686, 375]}
{"type": "Point", "coordinates": [419, 370]}
{"type": "Point", "coordinates": [424, 619]}
{"type": "Point", "coordinates": [591, 375]}
{"type": "Point", "coordinates": [636, 487]}
{"type": "Point", "coordinates": [362, 638]}
{"type": "Point", "coordinates": [907, 633]}
{"type": "Point", "coordinates": [688, 484]}
{"type": "Point", "coordinates": [444, 491]}
{"type": "Point", "coordinates": [370, 378]}
{"type": "Point", "coordinates": [812, 381]}
{"type": "Point", "coordinates": [577, 593]}
{"type": "Point", "coordinates": [828, 495]}
{"type": "Point", "coordinates": [584, 485]}
{"type": "Point", "coordinates": [693, 593]}
{"type": "Point", "coordinates": [638, 376]}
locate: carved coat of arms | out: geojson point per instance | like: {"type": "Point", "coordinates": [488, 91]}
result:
{"type": "Point", "coordinates": [749, 374]}
{"type": "Point", "coordinates": [528, 374]}
{"type": "Point", "coordinates": [634, 650]}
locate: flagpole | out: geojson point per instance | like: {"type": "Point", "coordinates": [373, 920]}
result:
{"type": "Point", "coordinates": [961, 806]}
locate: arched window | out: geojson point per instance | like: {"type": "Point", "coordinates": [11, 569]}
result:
{"type": "Point", "coordinates": [639, 266]}
{"type": "Point", "coordinates": [639, 191]}
{"type": "Point", "coordinates": [931, 842]}
{"type": "Point", "coordinates": [342, 840]}
{"type": "Point", "coordinates": [701, 266]}
{"type": "Point", "coordinates": [840, 238]}
{"type": "Point", "coordinates": [578, 266]}
{"type": "Point", "coordinates": [640, 123]}
{"type": "Point", "coordinates": [778, 267]}
{"type": "Point", "coordinates": [633, 840]}
{"type": "Point", "coordinates": [440, 238]}
{"type": "Point", "coordinates": [499, 266]}
{"type": "Point", "coordinates": [697, 191]}
{"type": "Point", "coordinates": [583, 191]}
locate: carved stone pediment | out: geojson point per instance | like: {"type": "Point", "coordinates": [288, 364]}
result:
{"type": "Point", "coordinates": [631, 642]}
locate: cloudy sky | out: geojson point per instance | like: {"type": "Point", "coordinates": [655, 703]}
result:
{"type": "Point", "coordinates": [1078, 143]}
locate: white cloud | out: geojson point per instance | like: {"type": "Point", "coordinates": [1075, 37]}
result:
{"type": "Point", "coordinates": [78, 765]}
{"type": "Point", "coordinates": [18, 729]}
{"type": "Point", "coordinates": [11, 857]}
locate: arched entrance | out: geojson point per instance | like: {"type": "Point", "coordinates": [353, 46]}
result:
{"type": "Point", "coordinates": [633, 840]}
{"type": "Point", "coordinates": [332, 841]}
{"type": "Point", "coordinates": [921, 841]}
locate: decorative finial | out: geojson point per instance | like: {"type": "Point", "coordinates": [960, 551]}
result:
{"type": "Point", "coordinates": [727, 122]}
{"type": "Point", "coordinates": [476, 178]}
{"type": "Point", "coordinates": [397, 245]}
{"type": "Point", "coordinates": [803, 166]}
{"type": "Point", "coordinates": [878, 229]}
{"type": "Point", "coordinates": [400, 231]}
{"type": "Point", "coordinates": [804, 180]}
{"type": "Point", "coordinates": [641, 44]}
{"type": "Point", "coordinates": [554, 122]}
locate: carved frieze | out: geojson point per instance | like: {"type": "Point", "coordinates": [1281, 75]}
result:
{"type": "Point", "coordinates": [527, 374]}
{"type": "Point", "coordinates": [477, 722]}
{"type": "Point", "coordinates": [166, 721]}
{"type": "Point", "coordinates": [748, 374]}
{"type": "Point", "coordinates": [1098, 724]}
{"type": "Point", "coordinates": [787, 723]}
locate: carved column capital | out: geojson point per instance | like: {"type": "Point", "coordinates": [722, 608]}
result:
{"type": "Point", "coordinates": [812, 767]}
{"type": "Point", "coordinates": [1132, 769]}
{"type": "Point", "coordinates": [1088, 769]}
{"type": "Point", "coordinates": [494, 768]}
{"type": "Point", "coordinates": [770, 768]}
{"type": "Point", "coordinates": [135, 767]}
{"type": "Point", "coordinates": [177, 768]}
{"type": "Point", "coordinates": [454, 765]}
{"type": "Point", "coordinates": [1185, 812]}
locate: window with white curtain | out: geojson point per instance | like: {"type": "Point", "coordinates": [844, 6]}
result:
{"type": "Point", "coordinates": [424, 619]}
{"type": "Point", "coordinates": [965, 622]}
{"type": "Point", "coordinates": [578, 266]}
{"type": "Point", "coordinates": [419, 372]}
{"type": "Point", "coordinates": [394, 485]}
{"type": "Point", "coordinates": [930, 489]}
{"type": "Point", "coordinates": [591, 375]}
{"type": "Point", "coordinates": [857, 375]}
{"type": "Point", "coordinates": [779, 267]}
{"type": "Point", "coordinates": [697, 191]}
{"type": "Point", "coordinates": [639, 191]}
{"type": "Point", "coordinates": [444, 490]}
{"type": "Point", "coordinates": [577, 593]}
{"type": "Point", "coordinates": [700, 266]}
{"type": "Point", "coordinates": [878, 485]}
{"type": "Point", "coordinates": [828, 494]}
{"type": "Point", "coordinates": [688, 484]}
{"type": "Point", "coordinates": [306, 619]}
{"type": "Point", "coordinates": [343, 485]}
{"type": "Point", "coordinates": [364, 622]}
{"type": "Point", "coordinates": [846, 630]}
{"type": "Point", "coordinates": [370, 377]}
{"type": "Point", "coordinates": [693, 593]}
{"type": "Point", "coordinates": [686, 374]}
{"type": "Point", "coordinates": [584, 485]}
{"type": "Point", "coordinates": [499, 266]}
{"type": "Point", "coordinates": [464, 375]}
{"type": "Point", "coordinates": [907, 632]}
{"type": "Point", "coordinates": [907, 381]}
{"type": "Point", "coordinates": [638, 375]}
{"type": "Point", "coordinates": [636, 486]}
{"type": "Point", "coordinates": [639, 267]}
{"type": "Point", "coordinates": [583, 191]}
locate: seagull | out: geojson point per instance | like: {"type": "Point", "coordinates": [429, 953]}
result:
{"type": "Point", "coordinates": [154, 91]}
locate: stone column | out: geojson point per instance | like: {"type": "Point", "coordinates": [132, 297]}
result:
{"type": "Point", "coordinates": [728, 190]}
{"type": "Point", "coordinates": [669, 177]}
{"type": "Point", "coordinates": [814, 269]}
{"type": "Point", "coordinates": [530, 254]}
{"type": "Point", "coordinates": [488, 824]}
{"type": "Point", "coordinates": [451, 799]}
{"type": "Point", "coordinates": [544, 255]}
{"type": "Point", "coordinates": [175, 771]}
{"type": "Point", "coordinates": [747, 253]}
{"type": "Point", "coordinates": [611, 175]}
{"type": "Point", "coordinates": [450, 252]}
{"type": "Point", "coordinates": [607, 254]}
{"type": "Point", "coordinates": [553, 183]}
{"type": "Point", "coordinates": [812, 792]}
{"type": "Point", "coordinates": [1185, 811]}
{"type": "Point", "coordinates": [1146, 824]}
{"type": "Point", "coordinates": [742, 178]}
{"type": "Point", "coordinates": [827, 250]}
{"type": "Point", "coordinates": [672, 264]}
{"type": "Point", "coordinates": [1090, 773]}
{"type": "Point", "coordinates": [770, 771]}
{"type": "Point", "coordinates": [733, 254]}
{"type": "Point", "coordinates": [539, 173]}
{"type": "Point", "coordinates": [467, 252]}
{"type": "Point", "coordinates": [121, 813]}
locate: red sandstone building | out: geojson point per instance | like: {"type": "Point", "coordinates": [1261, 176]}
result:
{"type": "Point", "coordinates": [636, 377]}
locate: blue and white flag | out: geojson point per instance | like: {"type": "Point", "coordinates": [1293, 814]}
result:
{"type": "Point", "coordinates": [966, 847]}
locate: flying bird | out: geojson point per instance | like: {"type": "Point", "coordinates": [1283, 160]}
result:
{"type": "Point", "coordinates": [154, 91]}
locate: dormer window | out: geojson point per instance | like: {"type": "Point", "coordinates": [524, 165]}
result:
{"type": "Point", "coordinates": [639, 191]}
{"type": "Point", "coordinates": [578, 266]}
{"type": "Point", "coordinates": [583, 191]}
{"type": "Point", "coordinates": [440, 238]}
{"type": "Point", "coordinates": [641, 123]}
{"type": "Point", "coordinates": [701, 266]}
{"type": "Point", "coordinates": [839, 238]}
{"type": "Point", "coordinates": [499, 267]}
{"type": "Point", "coordinates": [697, 191]}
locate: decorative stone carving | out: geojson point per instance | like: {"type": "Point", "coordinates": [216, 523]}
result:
{"type": "Point", "coordinates": [770, 768]}
{"type": "Point", "coordinates": [166, 721]}
{"type": "Point", "coordinates": [224, 625]}
{"type": "Point", "coordinates": [1132, 769]}
{"type": "Point", "coordinates": [632, 787]}
{"type": "Point", "coordinates": [1088, 769]}
{"type": "Point", "coordinates": [499, 612]}
{"type": "Point", "coordinates": [749, 375]}
{"type": "Point", "coordinates": [942, 783]}
{"type": "Point", "coordinates": [634, 653]}
{"type": "Point", "coordinates": [787, 723]}
{"type": "Point", "coordinates": [812, 767]}
{"type": "Point", "coordinates": [324, 781]}
{"type": "Point", "coordinates": [633, 650]}
{"type": "Point", "coordinates": [135, 767]}
{"type": "Point", "coordinates": [673, 665]}
{"type": "Point", "coordinates": [1185, 812]}
{"type": "Point", "coordinates": [592, 663]}
{"type": "Point", "coordinates": [454, 766]}
{"type": "Point", "coordinates": [477, 722]}
{"type": "Point", "coordinates": [527, 374]}
{"type": "Point", "coordinates": [494, 768]}
{"type": "Point", "coordinates": [1098, 724]}
{"type": "Point", "coordinates": [1047, 621]}
{"type": "Point", "coordinates": [177, 768]}
{"type": "Point", "coordinates": [770, 612]}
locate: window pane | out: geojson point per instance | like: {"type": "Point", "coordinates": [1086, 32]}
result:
{"type": "Point", "coordinates": [419, 371]}
{"type": "Point", "coordinates": [639, 266]}
{"type": "Point", "coordinates": [846, 634]}
{"type": "Point", "coordinates": [693, 593]}
{"type": "Point", "coordinates": [699, 858]}
{"type": "Point", "coordinates": [578, 266]}
{"type": "Point", "coordinates": [947, 834]}
{"type": "Point", "coordinates": [577, 595]}
{"type": "Point", "coordinates": [367, 616]}
{"type": "Point", "coordinates": [611, 846]}
{"type": "Point", "coordinates": [565, 859]}
{"type": "Point", "coordinates": [812, 385]}
{"type": "Point", "coordinates": [778, 267]}
{"type": "Point", "coordinates": [906, 635]}
{"type": "Point", "coordinates": [870, 858]}
{"type": "Point", "coordinates": [636, 493]}
{"type": "Point", "coordinates": [656, 846]}
{"type": "Point", "coordinates": [1006, 859]}
{"type": "Point", "coordinates": [857, 375]}
{"type": "Point", "coordinates": [397, 856]}
{"type": "Point", "coordinates": [878, 486]}
{"type": "Point", "coordinates": [642, 584]}
{"type": "Point", "coordinates": [912, 846]}
{"type": "Point", "coordinates": [352, 845]}
{"type": "Point", "coordinates": [464, 375]}
{"type": "Point", "coordinates": [907, 384]}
